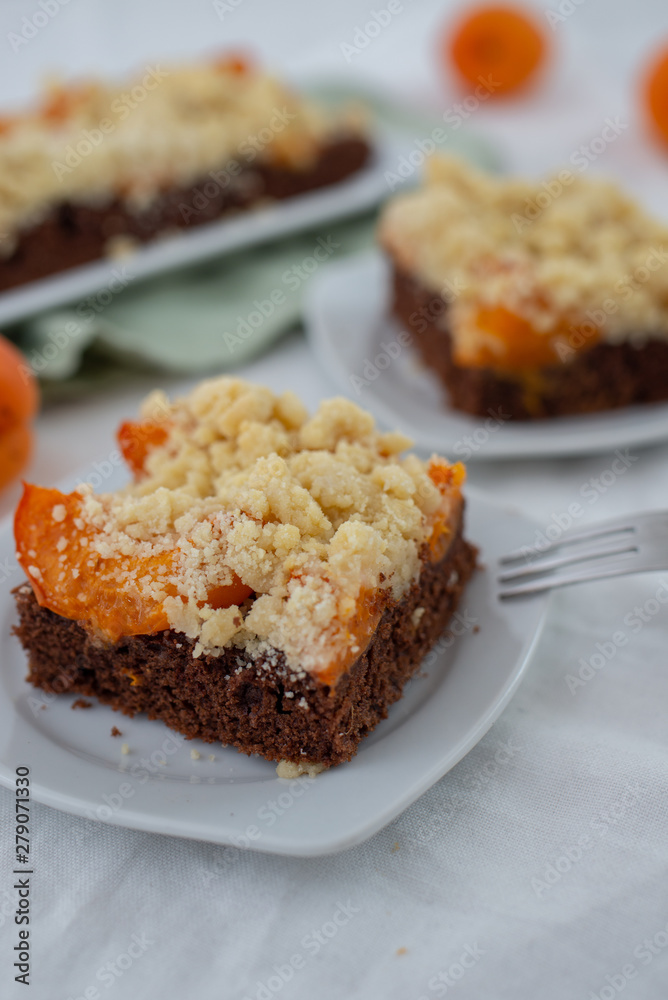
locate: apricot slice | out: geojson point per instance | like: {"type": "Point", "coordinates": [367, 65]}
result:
{"type": "Point", "coordinates": [137, 439]}
{"type": "Point", "coordinates": [63, 101]}
{"type": "Point", "coordinates": [234, 63]}
{"type": "Point", "coordinates": [109, 596]}
{"type": "Point", "coordinates": [225, 597]}
{"type": "Point", "coordinates": [511, 343]}
{"type": "Point", "coordinates": [496, 43]}
{"type": "Point", "coordinates": [445, 476]}
{"type": "Point", "coordinates": [355, 634]}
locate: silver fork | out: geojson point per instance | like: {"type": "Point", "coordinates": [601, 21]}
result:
{"type": "Point", "coordinates": [625, 545]}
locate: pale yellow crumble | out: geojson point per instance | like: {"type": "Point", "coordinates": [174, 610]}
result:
{"type": "Point", "coordinates": [310, 514]}
{"type": "Point", "coordinates": [287, 769]}
{"type": "Point", "coordinates": [169, 126]}
{"type": "Point", "coordinates": [564, 252]}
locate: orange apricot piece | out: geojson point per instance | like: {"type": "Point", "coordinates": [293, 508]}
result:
{"type": "Point", "coordinates": [15, 451]}
{"type": "Point", "coordinates": [355, 634]}
{"type": "Point", "coordinates": [110, 596]}
{"type": "Point", "coordinates": [656, 95]}
{"type": "Point", "coordinates": [444, 476]}
{"type": "Point", "coordinates": [19, 400]}
{"type": "Point", "coordinates": [63, 100]}
{"type": "Point", "coordinates": [19, 396]}
{"type": "Point", "coordinates": [234, 63]}
{"type": "Point", "coordinates": [512, 344]}
{"type": "Point", "coordinates": [498, 44]}
{"type": "Point", "coordinates": [137, 439]}
{"type": "Point", "coordinates": [229, 595]}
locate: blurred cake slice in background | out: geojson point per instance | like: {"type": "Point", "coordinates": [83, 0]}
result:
{"type": "Point", "coordinates": [531, 299]}
{"type": "Point", "coordinates": [98, 168]}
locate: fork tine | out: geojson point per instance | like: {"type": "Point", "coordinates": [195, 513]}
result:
{"type": "Point", "coordinates": [620, 524]}
{"type": "Point", "coordinates": [578, 575]}
{"type": "Point", "coordinates": [615, 548]}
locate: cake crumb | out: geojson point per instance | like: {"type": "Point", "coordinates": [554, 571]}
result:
{"type": "Point", "coordinates": [125, 749]}
{"type": "Point", "coordinates": [416, 617]}
{"type": "Point", "coordinates": [212, 756]}
{"type": "Point", "coordinates": [195, 754]}
{"type": "Point", "coordinates": [121, 246]}
{"type": "Point", "coordinates": [288, 769]}
{"type": "Point", "coordinates": [395, 847]}
{"type": "Point", "coordinates": [81, 703]}
{"type": "Point", "coordinates": [402, 951]}
{"type": "Point", "coordinates": [115, 731]}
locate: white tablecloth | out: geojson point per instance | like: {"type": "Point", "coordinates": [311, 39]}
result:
{"type": "Point", "coordinates": [538, 867]}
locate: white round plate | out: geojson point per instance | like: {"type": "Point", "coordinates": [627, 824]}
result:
{"type": "Point", "coordinates": [350, 328]}
{"type": "Point", "coordinates": [77, 766]}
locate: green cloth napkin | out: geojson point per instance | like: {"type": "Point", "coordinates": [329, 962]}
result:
{"type": "Point", "coordinates": [205, 318]}
{"type": "Point", "coordinates": [215, 315]}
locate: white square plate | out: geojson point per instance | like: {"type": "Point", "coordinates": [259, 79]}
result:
{"type": "Point", "coordinates": [77, 766]}
{"type": "Point", "coordinates": [347, 315]}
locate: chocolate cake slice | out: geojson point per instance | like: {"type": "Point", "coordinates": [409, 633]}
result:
{"type": "Point", "coordinates": [268, 581]}
{"type": "Point", "coordinates": [531, 300]}
{"type": "Point", "coordinates": [98, 168]}
{"type": "Point", "coordinates": [605, 377]}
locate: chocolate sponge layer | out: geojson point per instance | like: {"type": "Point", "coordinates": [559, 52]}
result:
{"type": "Point", "coordinates": [604, 377]}
{"type": "Point", "coordinates": [257, 705]}
{"type": "Point", "coordinates": [75, 234]}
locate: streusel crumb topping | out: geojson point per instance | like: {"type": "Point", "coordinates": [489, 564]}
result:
{"type": "Point", "coordinates": [92, 142]}
{"type": "Point", "coordinates": [562, 254]}
{"type": "Point", "coordinates": [314, 515]}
